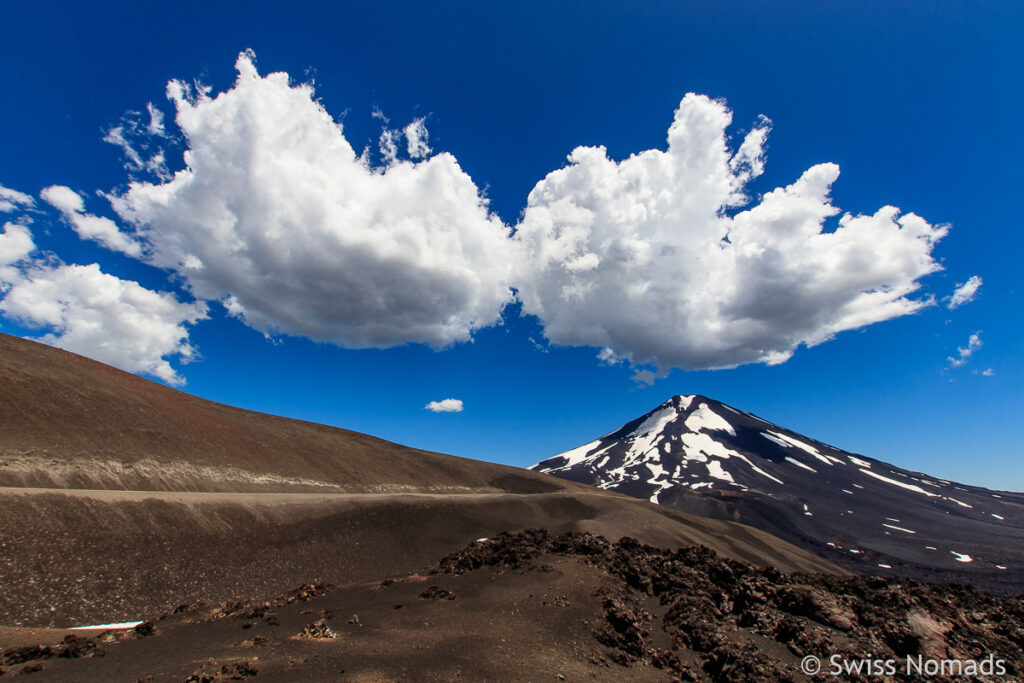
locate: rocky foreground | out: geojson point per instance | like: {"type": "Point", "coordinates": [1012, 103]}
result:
{"type": "Point", "coordinates": [536, 606]}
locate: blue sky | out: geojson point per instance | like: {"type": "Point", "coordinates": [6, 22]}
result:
{"type": "Point", "coordinates": [916, 103]}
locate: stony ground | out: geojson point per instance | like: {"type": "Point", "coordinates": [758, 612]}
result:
{"type": "Point", "coordinates": [537, 606]}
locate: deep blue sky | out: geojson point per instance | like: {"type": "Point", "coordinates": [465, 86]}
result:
{"type": "Point", "coordinates": [918, 102]}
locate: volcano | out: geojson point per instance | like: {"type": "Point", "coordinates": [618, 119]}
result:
{"type": "Point", "coordinates": [702, 456]}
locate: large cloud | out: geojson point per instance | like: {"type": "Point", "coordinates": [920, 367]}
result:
{"type": "Point", "coordinates": [90, 312]}
{"type": "Point", "coordinates": [278, 217]}
{"type": "Point", "coordinates": [642, 258]}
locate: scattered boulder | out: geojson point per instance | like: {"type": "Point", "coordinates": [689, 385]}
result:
{"type": "Point", "coordinates": [318, 630]}
{"type": "Point", "coordinates": [437, 593]}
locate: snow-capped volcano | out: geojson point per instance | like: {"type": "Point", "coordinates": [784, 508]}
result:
{"type": "Point", "coordinates": [699, 455]}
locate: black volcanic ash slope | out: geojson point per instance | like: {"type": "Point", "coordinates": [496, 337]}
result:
{"type": "Point", "coordinates": [702, 456]}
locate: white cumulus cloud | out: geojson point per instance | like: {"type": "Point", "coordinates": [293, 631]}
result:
{"type": "Point", "coordinates": [964, 293]}
{"type": "Point", "coordinates": [88, 226]}
{"type": "Point", "coordinates": [448, 405]}
{"type": "Point", "coordinates": [651, 258]}
{"type": "Point", "coordinates": [278, 217]}
{"type": "Point", "coordinates": [964, 353]}
{"type": "Point", "coordinates": [93, 313]}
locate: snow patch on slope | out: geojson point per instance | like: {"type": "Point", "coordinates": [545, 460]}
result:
{"type": "Point", "coordinates": [800, 464]}
{"type": "Point", "coordinates": [827, 459]}
{"type": "Point", "coordinates": [572, 457]}
{"type": "Point", "coordinates": [775, 439]}
{"type": "Point", "coordinates": [704, 419]}
{"type": "Point", "coordinates": [656, 421]}
{"type": "Point", "coordinates": [716, 471]}
{"type": "Point", "coordinates": [909, 487]}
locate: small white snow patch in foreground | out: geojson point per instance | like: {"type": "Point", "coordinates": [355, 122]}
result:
{"type": "Point", "coordinates": [848, 491]}
{"type": "Point", "coordinates": [995, 496]}
{"type": "Point", "coordinates": [482, 540]}
{"type": "Point", "coordinates": [1000, 566]}
{"type": "Point", "coordinates": [885, 566]}
{"type": "Point", "coordinates": [962, 557]}
{"type": "Point", "coordinates": [930, 547]}
{"type": "Point", "coordinates": [858, 461]}
{"type": "Point", "coordinates": [855, 551]}
{"type": "Point", "coordinates": [954, 500]}
{"type": "Point", "coordinates": [898, 528]}
{"type": "Point", "coordinates": [892, 519]}
{"type": "Point", "coordinates": [998, 516]}
{"type": "Point", "coordinates": [119, 625]}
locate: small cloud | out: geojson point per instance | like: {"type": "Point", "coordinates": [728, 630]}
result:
{"type": "Point", "coordinates": [156, 121]}
{"type": "Point", "coordinates": [448, 405]}
{"type": "Point", "coordinates": [964, 293]}
{"type": "Point", "coordinates": [116, 136]}
{"type": "Point", "coordinates": [644, 377]}
{"type": "Point", "coordinates": [138, 139]}
{"type": "Point", "coordinates": [388, 146]}
{"type": "Point", "coordinates": [965, 352]}
{"type": "Point", "coordinates": [416, 137]}
{"type": "Point", "coordinates": [88, 226]}
{"type": "Point", "coordinates": [988, 373]}
{"type": "Point", "coordinates": [12, 199]}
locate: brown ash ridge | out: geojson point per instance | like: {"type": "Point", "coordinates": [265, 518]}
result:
{"type": "Point", "coordinates": [731, 621]}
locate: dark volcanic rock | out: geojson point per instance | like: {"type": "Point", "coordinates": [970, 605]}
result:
{"type": "Point", "coordinates": [437, 593]}
{"type": "Point", "coordinates": [580, 606]}
{"type": "Point", "coordinates": [716, 608]}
